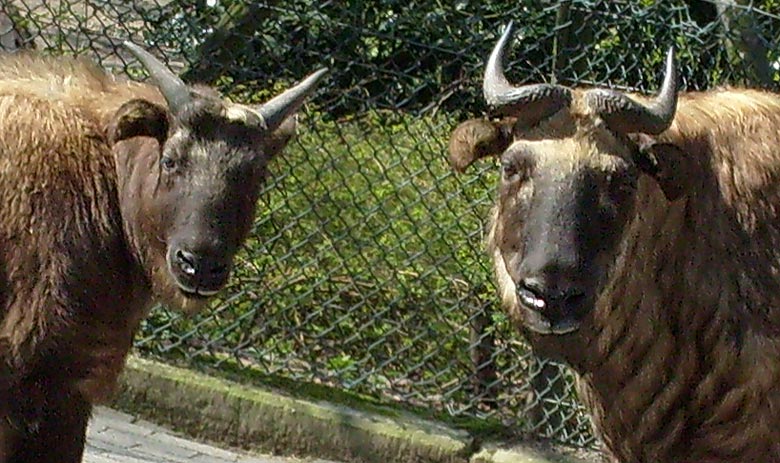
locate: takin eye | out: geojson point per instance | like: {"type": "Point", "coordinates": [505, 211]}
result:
{"type": "Point", "coordinates": [613, 196]}
{"type": "Point", "coordinates": [511, 170]}
{"type": "Point", "coordinates": [622, 185]}
{"type": "Point", "coordinates": [168, 163]}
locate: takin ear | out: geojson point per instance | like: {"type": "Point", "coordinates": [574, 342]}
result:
{"type": "Point", "coordinates": [279, 138]}
{"type": "Point", "coordinates": [139, 118]}
{"type": "Point", "coordinates": [667, 163]}
{"type": "Point", "coordinates": [478, 138]}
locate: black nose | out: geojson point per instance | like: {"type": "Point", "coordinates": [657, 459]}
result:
{"type": "Point", "coordinates": [546, 294]}
{"type": "Point", "coordinates": [200, 270]}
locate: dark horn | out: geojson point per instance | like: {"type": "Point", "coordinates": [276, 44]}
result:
{"type": "Point", "coordinates": [531, 103]}
{"type": "Point", "coordinates": [279, 108]}
{"type": "Point", "coordinates": [175, 91]}
{"type": "Point", "coordinates": [624, 115]}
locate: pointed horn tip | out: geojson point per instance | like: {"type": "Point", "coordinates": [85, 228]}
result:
{"type": "Point", "coordinates": [670, 71]}
{"type": "Point", "coordinates": [140, 53]}
{"type": "Point", "coordinates": [506, 34]}
{"type": "Point", "coordinates": [173, 89]}
{"type": "Point", "coordinates": [319, 73]}
{"type": "Point", "coordinates": [133, 48]}
{"type": "Point", "coordinates": [313, 79]}
{"type": "Point", "coordinates": [494, 67]}
{"type": "Point", "coordinates": [670, 57]}
{"type": "Point", "coordinates": [508, 27]}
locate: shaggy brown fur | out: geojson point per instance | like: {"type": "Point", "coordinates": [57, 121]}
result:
{"type": "Point", "coordinates": [679, 359]}
{"type": "Point", "coordinates": [85, 212]}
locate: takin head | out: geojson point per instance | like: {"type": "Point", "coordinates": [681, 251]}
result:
{"type": "Point", "coordinates": [572, 162]}
{"type": "Point", "coordinates": [189, 176]}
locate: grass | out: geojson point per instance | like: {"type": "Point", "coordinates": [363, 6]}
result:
{"type": "Point", "coordinates": [364, 273]}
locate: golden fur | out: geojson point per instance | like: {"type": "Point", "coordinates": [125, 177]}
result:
{"type": "Point", "coordinates": [53, 152]}
{"type": "Point", "coordinates": [680, 360]}
{"type": "Point", "coordinates": [86, 219]}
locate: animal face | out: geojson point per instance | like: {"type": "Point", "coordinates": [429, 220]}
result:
{"type": "Point", "coordinates": [189, 177]}
{"type": "Point", "coordinates": [571, 165]}
{"type": "Point", "coordinates": [563, 205]}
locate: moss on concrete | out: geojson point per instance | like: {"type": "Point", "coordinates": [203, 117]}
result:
{"type": "Point", "coordinates": [271, 420]}
{"type": "Point", "coordinates": [229, 369]}
{"type": "Point", "coordinates": [254, 418]}
{"type": "Point", "coordinates": [534, 453]}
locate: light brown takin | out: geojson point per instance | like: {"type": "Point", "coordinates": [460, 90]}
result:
{"type": "Point", "coordinates": [114, 195]}
{"type": "Point", "coordinates": [638, 240]}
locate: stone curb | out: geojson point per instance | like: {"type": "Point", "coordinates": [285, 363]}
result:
{"type": "Point", "coordinates": [263, 420]}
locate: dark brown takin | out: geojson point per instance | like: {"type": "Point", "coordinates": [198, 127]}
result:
{"type": "Point", "coordinates": [638, 240]}
{"type": "Point", "coordinates": [114, 195]}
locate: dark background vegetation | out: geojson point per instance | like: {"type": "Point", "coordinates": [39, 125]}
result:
{"type": "Point", "coordinates": [366, 271]}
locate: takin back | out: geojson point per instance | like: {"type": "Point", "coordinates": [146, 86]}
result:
{"type": "Point", "coordinates": [638, 240]}
{"type": "Point", "coordinates": [114, 195]}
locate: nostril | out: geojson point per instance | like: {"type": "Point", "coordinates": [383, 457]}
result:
{"type": "Point", "coordinates": [573, 296]}
{"type": "Point", "coordinates": [186, 262]}
{"type": "Point", "coordinates": [219, 269]}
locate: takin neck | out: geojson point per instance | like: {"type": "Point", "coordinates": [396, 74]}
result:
{"type": "Point", "coordinates": [681, 353]}
{"type": "Point", "coordinates": [680, 359]}
{"type": "Point", "coordinates": [72, 294]}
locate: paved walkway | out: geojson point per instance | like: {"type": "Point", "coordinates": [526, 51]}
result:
{"type": "Point", "coordinates": [115, 437]}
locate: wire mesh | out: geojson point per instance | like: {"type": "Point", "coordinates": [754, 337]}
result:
{"type": "Point", "coordinates": [365, 270]}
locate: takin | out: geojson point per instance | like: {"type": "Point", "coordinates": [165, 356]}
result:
{"type": "Point", "coordinates": [637, 239]}
{"type": "Point", "coordinates": [114, 195]}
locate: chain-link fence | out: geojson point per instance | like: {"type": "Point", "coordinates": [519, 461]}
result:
{"type": "Point", "coordinates": [366, 270]}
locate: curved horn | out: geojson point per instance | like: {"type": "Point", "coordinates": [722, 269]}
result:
{"type": "Point", "coordinates": [279, 108]}
{"type": "Point", "coordinates": [531, 103]}
{"type": "Point", "coordinates": [624, 115]}
{"type": "Point", "coordinates": [175, 91]}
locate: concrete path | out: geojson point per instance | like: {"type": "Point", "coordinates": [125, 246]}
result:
{"type": "Point", "coordinates": [115, 437]}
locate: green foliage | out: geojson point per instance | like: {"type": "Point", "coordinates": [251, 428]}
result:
{"type": "Point", "coordinates": [366, 270]}
{"type": "Point", "coordinates": [425, 54]}
{"type": "Point", "coordinates": [369, 249]}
